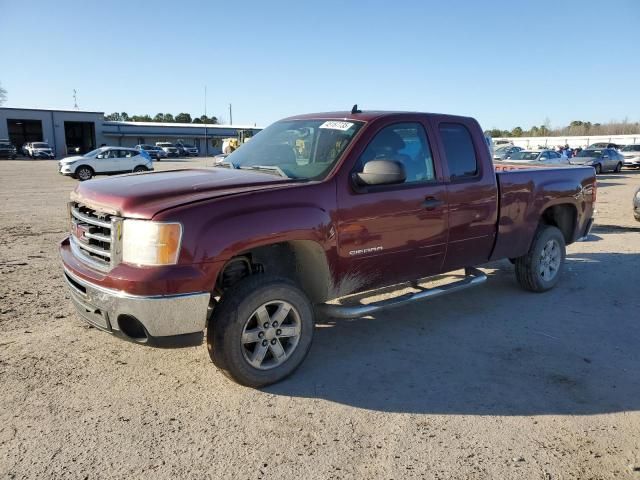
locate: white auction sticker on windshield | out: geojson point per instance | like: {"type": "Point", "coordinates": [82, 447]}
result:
{"type": "Point", "coordinates": [333, 125]}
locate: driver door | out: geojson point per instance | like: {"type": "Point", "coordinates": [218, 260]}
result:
{"type": "Point", "coordinates": [393, 233]}
{"type": "Point", "coordinates": [106, 162]}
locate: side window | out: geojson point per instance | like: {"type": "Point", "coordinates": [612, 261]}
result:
{"type": "Point", "coordinates": [126, 153]}
{"type": "Point", "coordinates": [544, 156]}
{"type": "Point", "coordinates": [459, 150]}
{"type": "Point", "coordinates": [405, 143]}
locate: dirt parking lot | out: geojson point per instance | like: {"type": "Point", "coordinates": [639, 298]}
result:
{"type": "Point", "coordinates": [493, 382]}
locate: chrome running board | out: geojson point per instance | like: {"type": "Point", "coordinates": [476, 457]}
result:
{"type": "Point", "coordinates": [472, 277]}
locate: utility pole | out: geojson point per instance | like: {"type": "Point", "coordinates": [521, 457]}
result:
{"type": "Point", "coordinates": [75, 99]}
{"type": "Point", "coordinates": [206, 144]}
{"type": "Point", "coordinates": [230, 115]}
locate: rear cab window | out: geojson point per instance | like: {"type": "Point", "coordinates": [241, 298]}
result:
{"type": "Point", "coordinates": [460, 153]}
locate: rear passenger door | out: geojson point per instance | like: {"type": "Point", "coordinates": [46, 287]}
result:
{"type": "Point", "coordinates": [471, 191]}
{"type": "Point", "coordinates": [125, 160]}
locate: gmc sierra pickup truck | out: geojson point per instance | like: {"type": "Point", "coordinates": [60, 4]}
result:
{"type": "Point", "coordinates": [314, 208]}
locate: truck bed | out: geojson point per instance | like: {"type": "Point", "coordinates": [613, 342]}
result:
{"type": "Point", "coordinates": [525, 191]}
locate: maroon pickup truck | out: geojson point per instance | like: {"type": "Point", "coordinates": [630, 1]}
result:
{"type": "Point", "coordinates": [313, 208]}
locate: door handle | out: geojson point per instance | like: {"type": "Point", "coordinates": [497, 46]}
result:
{"type": "Point", "coordinates": [431, 203]}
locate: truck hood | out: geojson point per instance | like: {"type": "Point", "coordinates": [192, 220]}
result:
{"type": "Point", "coordinates": [144, 195]}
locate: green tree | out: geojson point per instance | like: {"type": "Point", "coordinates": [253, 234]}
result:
{"type": "Point", "coordinates": [534, 132]}
{"type": "Point", "coordinates": [114, 117]}
{"type": "Point", "coordinates": [197, 120]}
{"type": "Point", "coordinates": [124, 116]}
{"type": "Point", "coordinates": [168, 118]}
{"type": "Point", "coordinates": [3, 95]}
{"type": "Point", "coordinates": [517, 132]}
{"type": "Point", "coordinates": [159, 117]}
{"type": "Point", "coordinates": [183, 118]}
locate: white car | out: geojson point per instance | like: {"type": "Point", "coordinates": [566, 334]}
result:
{"type": "Point", "coordinates": [187, 149]}
{"type": "Point", "coordinates": [631, 154]}
{"type": "Point", "coordinates": [169, 148]}
{"type": "Point", "coordinates": [39, 150]}
{"type": "Point", "coordinates": [106, 160]}
{"type": "Point", "coordinates": [548, 157]}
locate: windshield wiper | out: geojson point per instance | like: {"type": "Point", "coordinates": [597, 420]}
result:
{"type": "Point", "coordinates": [265, 168]}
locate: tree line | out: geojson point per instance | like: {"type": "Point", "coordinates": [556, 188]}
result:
{"type": "Point", "coordinates": [575, 128]}
{"type": "Point", "coordinates": [161, 118]}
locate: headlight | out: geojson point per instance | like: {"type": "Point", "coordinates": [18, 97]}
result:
{"type": "Point", "coordinates": [150, 243]}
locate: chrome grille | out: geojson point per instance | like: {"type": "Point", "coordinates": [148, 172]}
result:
{"type": "Point", "coordinates": [95, 236]}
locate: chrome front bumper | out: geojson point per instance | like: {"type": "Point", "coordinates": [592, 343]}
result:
{"type": "Point", "coordinates": [161, 316]}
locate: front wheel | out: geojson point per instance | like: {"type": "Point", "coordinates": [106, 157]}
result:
{"type": "Point", "coordinates": [84, 173]}
{"type": "Point", "coordinates": [598, 168]}
{"type": "Point", "coordinates": [261, 330]}
{"type": "Point", "coordinates": [539, 270]}
{"type": "Point", "coordinates": [618, 168]}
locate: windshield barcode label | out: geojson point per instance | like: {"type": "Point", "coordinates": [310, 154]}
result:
{"type": "Point", "coordinates": [337, 125]}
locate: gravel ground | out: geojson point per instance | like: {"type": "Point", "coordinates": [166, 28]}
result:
{"type": "Point", "coordinates": [493, 382]}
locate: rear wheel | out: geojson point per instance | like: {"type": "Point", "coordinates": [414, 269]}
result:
{"type": "Point", "coordinates": [139, 169]}
{"type": "Point", "coordinates": [84, 173]}
{"type": "Point", "coordinates": [618, 168]}
{"type": "Point", "coordinates": [261, 330]}
{"type": "Point", "coordinates": [539, 270]}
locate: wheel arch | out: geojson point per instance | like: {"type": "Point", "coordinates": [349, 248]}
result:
{"type": "Point", "coordinates": [303, 261]}
{"type": "Point", "coordinates": [563, 216]}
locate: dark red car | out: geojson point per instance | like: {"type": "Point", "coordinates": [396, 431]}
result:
{"type": "Point", "coordinates": [315, 207]}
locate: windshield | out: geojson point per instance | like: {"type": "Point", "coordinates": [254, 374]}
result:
{"type": "Point", "coordinates": [631, 148]}
{"type": "Point", "coordinates": [93, 153]}
{"type": "Point", "coordinates": [297, 148]}
{"type": "Point", "coordinates": [590, 153]}
{"type": "Point", "coordinates": [41, 145]}
{"type": "Point", "coordinates": [524, 155]}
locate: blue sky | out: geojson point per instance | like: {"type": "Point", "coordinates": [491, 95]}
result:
{"type": "Point", "coordinates": [507, 63]}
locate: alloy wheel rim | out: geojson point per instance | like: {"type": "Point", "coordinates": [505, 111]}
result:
{"type": "Point", "coordinates": [271, 335]}
{"type": "Point", "coordinates": [84, 174]}
{"type": "Point", "coordinates": [550, 259]}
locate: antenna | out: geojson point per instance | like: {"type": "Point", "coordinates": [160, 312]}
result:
{"type": "Point", "coordinates": [75, 99]}
{"type": "Point", "coordinates": [355, 110]}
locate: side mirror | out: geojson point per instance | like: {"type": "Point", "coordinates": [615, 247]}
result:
{"type": "Point", "coordinates": [100, 156]}
{"type": "Point", "coordinates": [381, 172]}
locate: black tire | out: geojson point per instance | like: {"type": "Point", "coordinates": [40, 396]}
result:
{"type": "Point", "coordinates": [84, 173]}
{"type": "Point", "coordinates": [528, 267]}
{"type": "Point", "coordinates": [139, 168]}
{"type": "Point", "coordinates": [598, 168]}
{"type": "Point", "coordinates": [618, 168]}
{"type": "Point", "coordinates": [236, 308]}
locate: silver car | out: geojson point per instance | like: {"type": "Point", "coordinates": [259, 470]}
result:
{"type": "Point", "coordinates": [501, 153]}
{"type": "Point", "coordinates": [602, 159]}
{"type": "Point", "coordinates": [538, 156]}
{"type": "Point", "coordinates": [631, 155]}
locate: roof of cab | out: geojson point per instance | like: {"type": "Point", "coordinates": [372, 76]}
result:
{"type": "Point", "coordinates": [365, 116]}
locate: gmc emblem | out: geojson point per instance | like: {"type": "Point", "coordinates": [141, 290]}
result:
{"type": "Point", "coordinates": [79, 232]}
